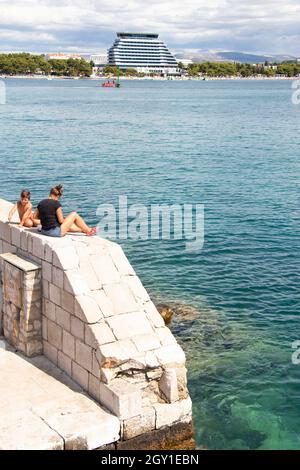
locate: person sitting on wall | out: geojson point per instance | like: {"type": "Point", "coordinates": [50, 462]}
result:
{"type": "Point", "coordinates": [53, 222]}
{"type": "Point", "coordinates": [24, 208]}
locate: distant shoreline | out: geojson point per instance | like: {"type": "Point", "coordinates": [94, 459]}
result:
{"type": "Point", "coordinates": [39, 77]}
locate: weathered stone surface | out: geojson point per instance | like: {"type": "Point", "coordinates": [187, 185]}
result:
{"type": "Point", "coordinates": [80, 375]}
{"type": "Point", "coordinates": [170, 355]}
{"type": "Point", "coordinates": [179, 436]}
{"type": "Point", "coordinates": [83, 355]}
{"type": "Point", "coordinates": [66, 258]}
{"type": "Point", "coordinates": [105, 269]}
{"type": "Point", "coordinates": [146, 342]}
{"type": "Point", "coordinates": [123, 399]}
{"type": "Point", "coordinates": [141, 424]}
{"type": "Point", "coordinates": [81, 423]}
{"type": "Point", "coordinates": [14, 434]}
{"type": "Point", "coordinates": [77, 328]}
{"type": "Point", "coordinates": [98, 334]}
{"type": "Point", "coordinates": [167, 414]}
{"type": "Point", "coordinates": [153, 315]}
{"type": "Point", "coordinates": [87, 309]}
{"type": "Point", "coordinates": [113, 354]}
{"type": "Point", "coordinates": [168, 385]}
{"type": "Point", "coordinates": [129, 325]}
{"type": "Point", "coordinates": [55, 333]}
{"type": "Point", "coordinates": [121, 297]}
{"type": "Point", "coordinates": [69, 344]}
{"type": "Point", "coordinates": [48, 409]}
{"type": "Point", "coordinates": [63, 318]}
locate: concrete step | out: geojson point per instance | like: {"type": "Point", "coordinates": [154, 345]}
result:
{"type": "Point", "coordinates": [43, 409]}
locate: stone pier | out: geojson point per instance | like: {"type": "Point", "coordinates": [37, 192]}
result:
{"type": "Point", "coordinates": [78, 302]}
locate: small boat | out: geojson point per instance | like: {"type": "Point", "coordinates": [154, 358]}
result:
{"type": "Point", "coordinates": [111, 84]}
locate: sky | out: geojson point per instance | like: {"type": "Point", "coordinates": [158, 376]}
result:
{"type": "Point", "coordinates": [264, 26]}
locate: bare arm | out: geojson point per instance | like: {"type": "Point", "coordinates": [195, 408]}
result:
{"type": "Point", "coordinates": [12, 211]}
{"type": "Point", "coordinates": [60, 215]}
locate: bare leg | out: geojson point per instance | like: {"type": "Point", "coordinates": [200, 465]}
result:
{"type": "Point", "coordinates": [71, 219]}
{"type": "Point", "coordinates": [28, 223]}
{"type": "Point", "coordinates": [75, 229]}
{"type": "Point", "coordinates": [36, 222]}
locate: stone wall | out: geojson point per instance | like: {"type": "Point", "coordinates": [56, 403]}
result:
{"type": "Point", "coordinates": [100, 326]}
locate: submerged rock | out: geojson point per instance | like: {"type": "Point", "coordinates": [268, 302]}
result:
{"type": "Point", "coordinates": [177, 312]}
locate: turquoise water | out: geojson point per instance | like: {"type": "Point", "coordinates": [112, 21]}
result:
{"type": "Point", "coordinates": [232, 145]}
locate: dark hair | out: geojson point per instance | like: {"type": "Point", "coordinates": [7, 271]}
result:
{"type": "Point", "coordinates": [25, 193]}
{"type": "Point", "coordinates": [57, 191]}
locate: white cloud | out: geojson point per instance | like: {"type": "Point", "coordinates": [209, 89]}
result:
{"type": "Point", "coordinates": [270, 26]}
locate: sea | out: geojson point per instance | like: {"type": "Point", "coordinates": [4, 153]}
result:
{"type": "Point", "coordinates": [232, 146]}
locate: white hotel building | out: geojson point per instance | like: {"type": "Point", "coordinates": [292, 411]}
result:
{"type": "Point", "coordinates": [144, 52]}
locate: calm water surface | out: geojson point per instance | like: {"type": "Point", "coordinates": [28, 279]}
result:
{"type": "Point", "coordinates": [233, 146]}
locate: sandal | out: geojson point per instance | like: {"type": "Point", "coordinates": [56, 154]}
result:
{"type": "Point", "coordinates": [92, 232]}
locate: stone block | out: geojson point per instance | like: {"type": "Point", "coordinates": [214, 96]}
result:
{"type": "Point", "coordinates": [146, 342]}
{"type": "Point", "coordinates": [87, 309]}
{"type": "Point", "coordinates": [120, 260]}
{"type": "Point", "coordinates": [24, 237]}
{"type": "Point", "coordinates": [82, 424]}
{"type": "Point", "coordinates": [33, 348]}
{"type": "Point", "coordinates": [80, 375]}
{"type": "Point", "coordinates": [45, 328]}
{"type": "Point", "coordinates": [77, 328]}
{"type": "Point", "coordinates": [16, 236]}
{"type": "Point", "coordinates": [105, 269]}
{"type": "Point", "coordinates": [50, 352]}
{"type": "Point", "coordinates": [114, 354]}
{"type": "Point", "coordinates": [49, 310]}
{"type": "Point", "coordinates": [121, 398]}
{"type": "Point", "coordinates": [167, 414]}
{"type": "Point", "coordinates": [87, 272]}
{"type": "Point", "coordinates": [168, 385]}
{"type": "Point", "coordinates": [38, 246]}
{"type": "Point", "coordinates": [153, 315]}
{"type": "Point", "coordinates": [48, 253]}
{"type": "Point", "coordinates": [141, 424]}
{"type": "Point", "coordinates": [54, 332]}
{"type": "Point", "coordinates": [83, 355]}
{"type": "Point", "coordinates": [121, 298]}
{"type": "Point", "coordinates": [66, 258]}
{"type": "Point", "coordinates": [139, 292]}
{"type": "Point", "coordinates": [67, 301]}
{"type": "Point", "coordinates": [75, 284]}
{"type": "Point", "coordinates": [165, 336]}
{"type": "Point", "coordinates": [58, 277]}
{"type": "Point", "coordinates": [94, 387]}
{"type": "Point", "coordinates": [5, 233]}
{"type": "Point", "coordinates": [63, 318]}
{"type": "Point", "coordinates": [55, 294]}
{"type": "Point", "coordinates": [171, 356]}
{"type": "Point", "coordinates": [69, 344]}
{"type": "Point", "coordinates": [98, 334]}
{"type": "Point", "coordinates": [45, 289]}
{"type": "Point", "coordinates": [103, 302]}
{"type": "Point", "coordinates": [64, 363]}
{"type": "Point", "coordinates": [129, 325]}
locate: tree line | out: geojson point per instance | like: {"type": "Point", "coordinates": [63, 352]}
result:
{"type": "Point", "coordinates": [29, 64]}
{"type": "Point", "coordinates": [227, 69]}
